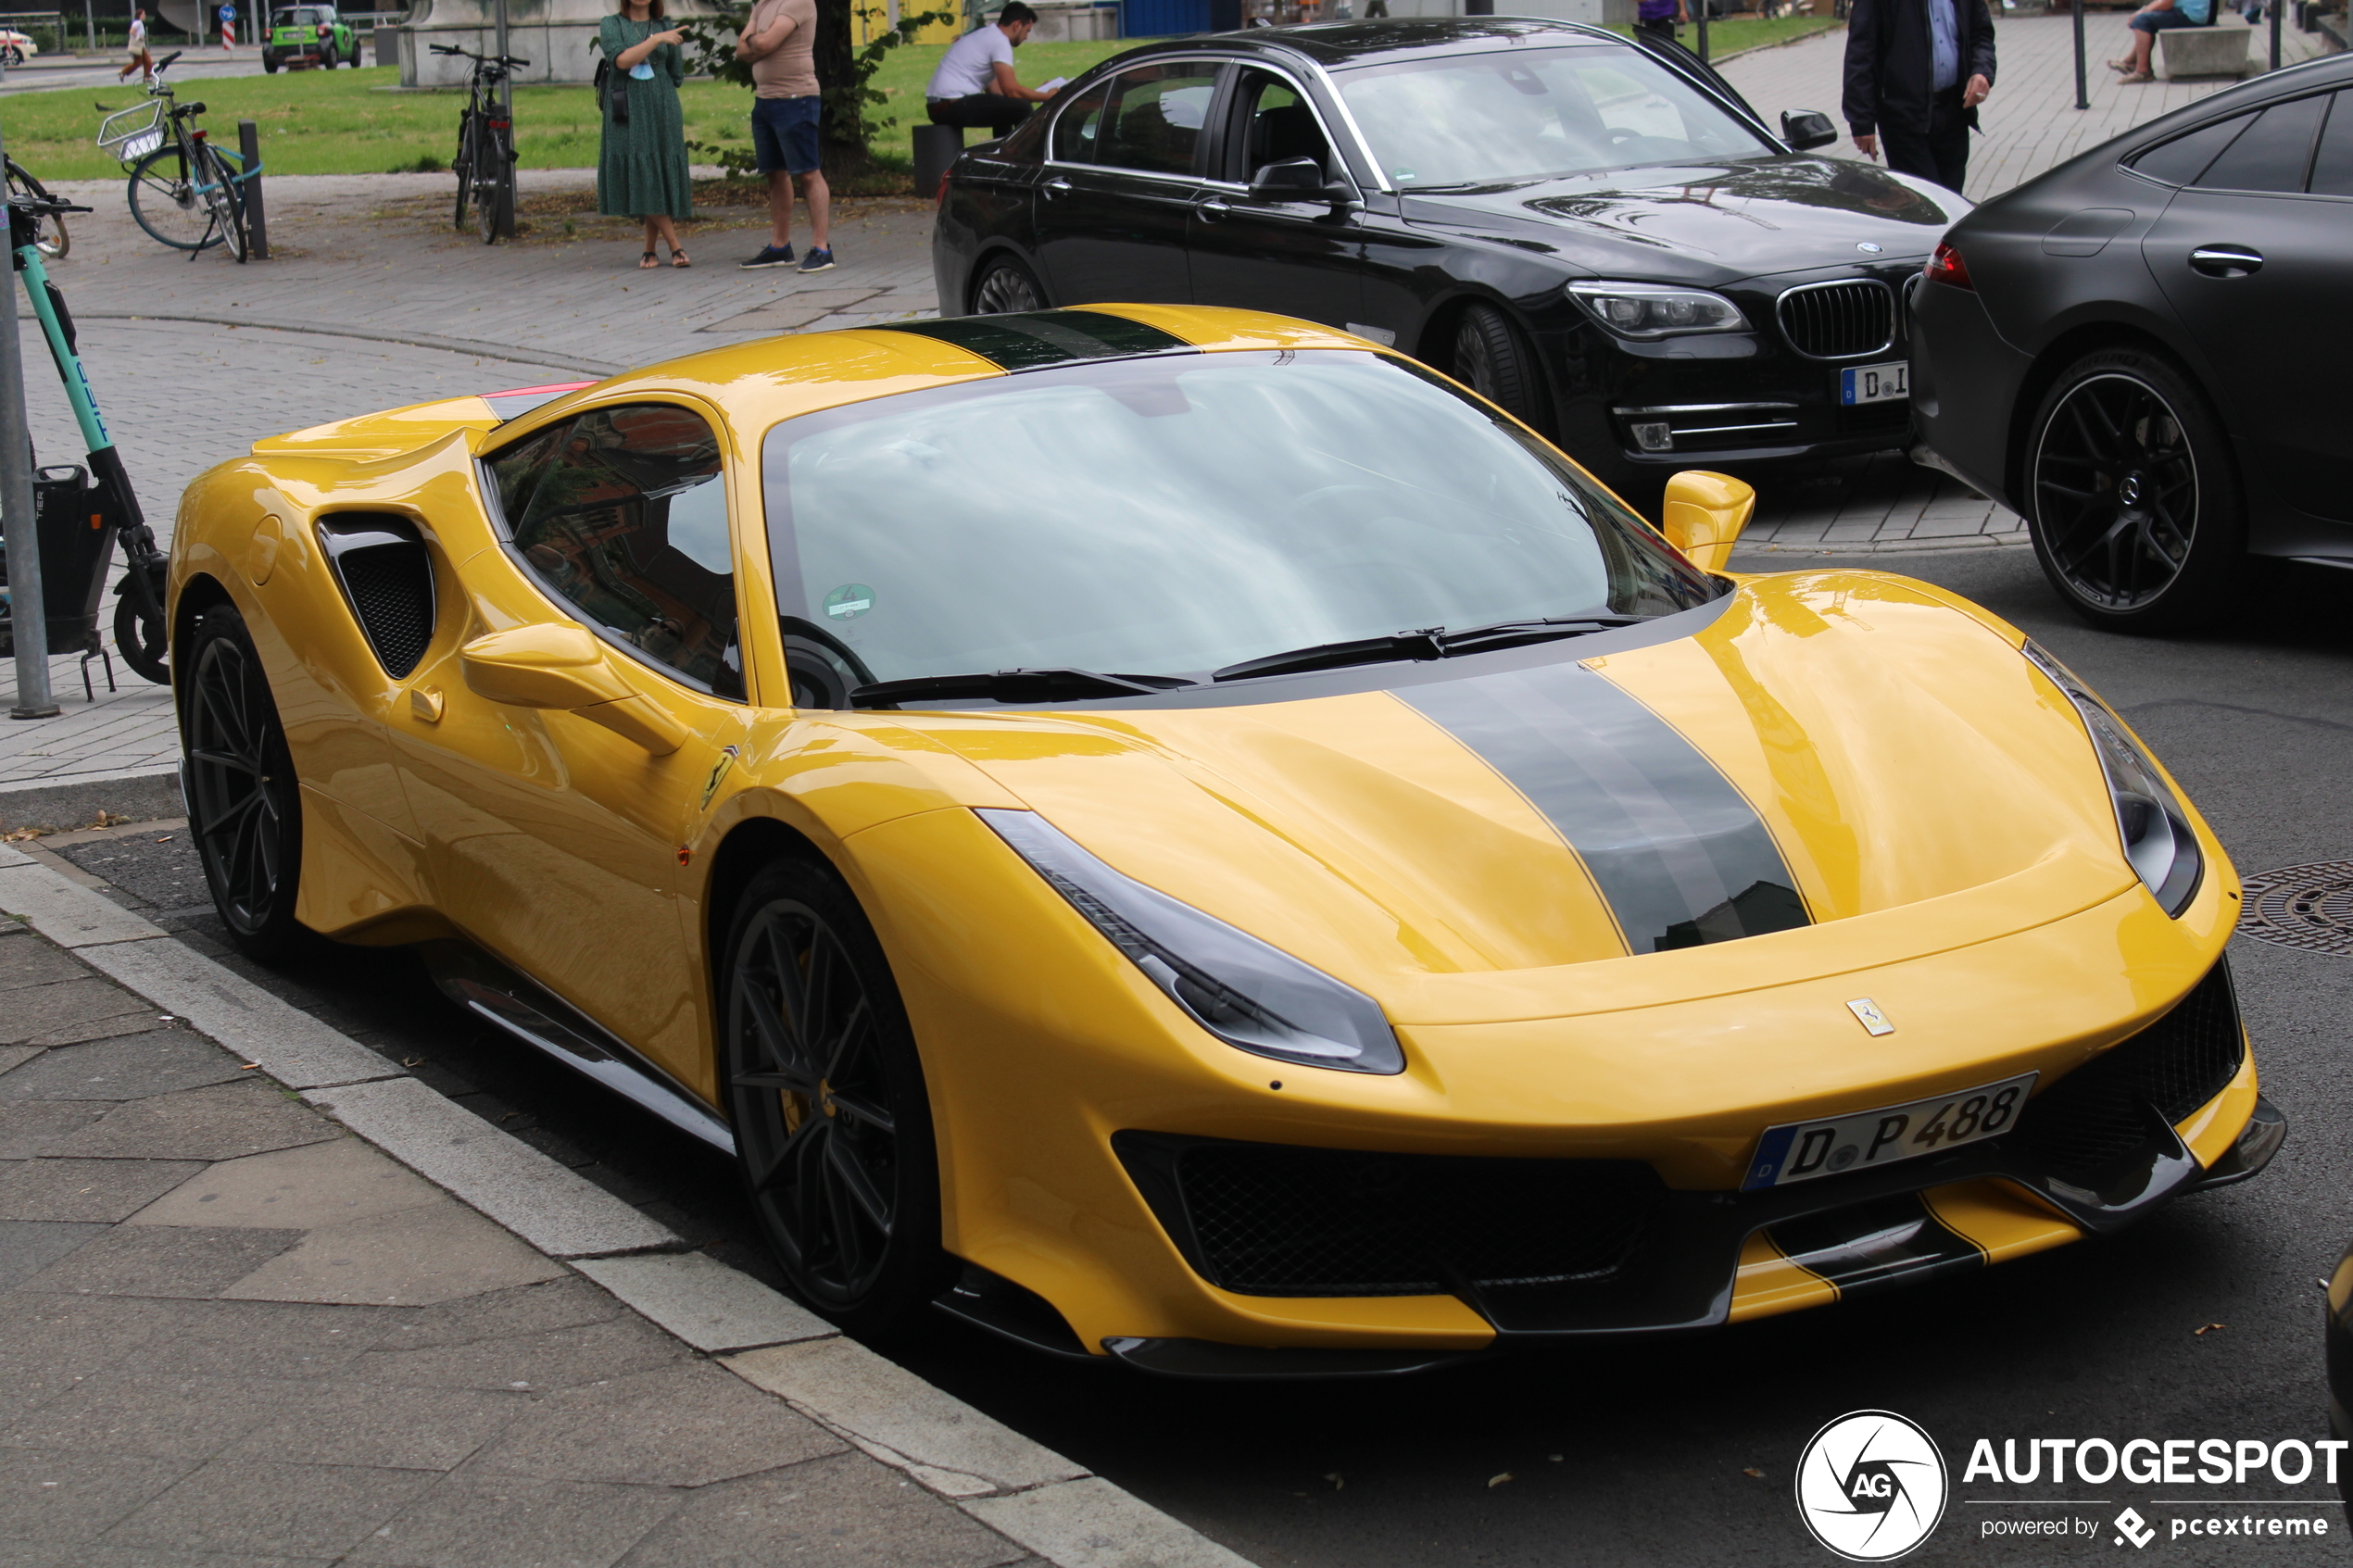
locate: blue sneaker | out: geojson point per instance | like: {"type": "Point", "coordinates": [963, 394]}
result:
{"type": "Point", "coordinates": [817, 261]}
{"type": "Point", "coordinates": [771, 256]}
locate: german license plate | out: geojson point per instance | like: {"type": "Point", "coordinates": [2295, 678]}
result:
{"type": "Point", "coordinates": [1863, 1140]}
{"type": "Point", "coordinates": [1875, 384]}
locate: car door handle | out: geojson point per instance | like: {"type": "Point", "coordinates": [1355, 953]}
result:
{"type": "Point", "coordinates": [2227, 261]}
{"type": "Point", "coordinates": [1057, 187]}
{"type": "Point", "coordinates": [1212, 209]}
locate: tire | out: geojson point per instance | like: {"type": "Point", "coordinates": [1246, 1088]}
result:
{"type": "Point", "coordinates": [270, 62]}
{"type": "Point", "coordinates": [228, 207]}
{"type": "Point", "coordinates": [463, 165]}
{"type": "Point", "coordinates": [833, 1126]}
{"type": "Point", "coordinates": [167, 205]}
{"type": "Point", "coordinates": [1489, 355]}
{"type": "Point", "coordinates": [493, 187]}
{"type": "Point", "coordinates": [245, 806]}
{"type": "Point", "coordinates": [141, 641]}
{"type": "Point", "coordinates": [1004, 286]}
{"type": "Point", "coordinates": [2131, 498]}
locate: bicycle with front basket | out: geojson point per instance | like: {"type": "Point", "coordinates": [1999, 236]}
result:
{"type": "Point", "coordinates": [184, 191]}
{"type": "Point", "coordinates": [485, 160]}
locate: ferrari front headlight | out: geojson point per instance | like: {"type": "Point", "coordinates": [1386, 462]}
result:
{"type": "Point", "coordinates": [2154, 826]}
{"type": "Point", "coordinates": [1253, 997]}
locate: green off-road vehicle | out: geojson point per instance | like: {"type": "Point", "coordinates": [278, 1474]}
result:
{"type": "Point", "coordinates": [310, 35]}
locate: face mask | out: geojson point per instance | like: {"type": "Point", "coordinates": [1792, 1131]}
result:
{"type": "Point", "coordinates": [643, 70]}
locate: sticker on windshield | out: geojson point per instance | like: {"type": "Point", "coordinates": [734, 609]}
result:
{"type": "Point", "coordinates": [1404, 174]}
{"type": "Point", "coordinates": [850, 601]}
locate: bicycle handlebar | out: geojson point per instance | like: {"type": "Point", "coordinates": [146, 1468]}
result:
{"type": "Point", "coordinates": [169, 58]}
{"type": "Point", "coordinates": [480, 60]}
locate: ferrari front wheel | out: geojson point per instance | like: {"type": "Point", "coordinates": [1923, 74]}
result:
{"type": "Point", "coordinates": [2132, 503]}
{"type": "Point", "coordinates": [245, 809]}
{"type": "Point", "coordinates": [833, 1129]}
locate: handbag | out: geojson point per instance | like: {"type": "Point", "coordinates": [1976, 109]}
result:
{"type": "Point", "coordinates": [612, 90]}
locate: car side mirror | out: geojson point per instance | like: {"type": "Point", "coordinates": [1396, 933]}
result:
{"type": "Point", "coordinates": [1807, 129]}
{"type": "Point", "coordinates": [562, 667]}
{"type": "Point", "coordinates": [1299, 180]}
{"type": "Point", "coordinates": [1704, 514]}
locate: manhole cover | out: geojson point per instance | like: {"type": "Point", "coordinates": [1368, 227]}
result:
{"type": "Point", "coordinates": [2306, 907]}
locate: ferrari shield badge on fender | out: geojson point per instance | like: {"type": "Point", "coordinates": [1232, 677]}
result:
{"type": "Point", "coordinates": [1868, 1014]}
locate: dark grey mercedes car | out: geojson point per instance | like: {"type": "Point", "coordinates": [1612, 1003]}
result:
{"type": "Point", "coordinates": [1598, 234]}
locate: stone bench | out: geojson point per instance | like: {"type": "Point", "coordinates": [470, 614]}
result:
{"type": "Point", "coordinates": [2203, 51]}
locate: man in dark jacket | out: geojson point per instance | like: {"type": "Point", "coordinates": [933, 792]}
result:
{"type": "Point", "coordinates": [1916, 71]}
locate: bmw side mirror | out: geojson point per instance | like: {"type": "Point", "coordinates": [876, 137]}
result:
{"type": "Point", "coordinates": [1293, 180]}
{"type": "Point", "coordinates": [1807, 129]}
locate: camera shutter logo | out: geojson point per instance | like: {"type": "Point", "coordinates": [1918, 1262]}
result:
{"type": "Point", "coordinates": [1871, 1485]}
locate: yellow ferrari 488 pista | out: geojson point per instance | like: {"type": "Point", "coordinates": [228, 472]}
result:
{"type": "Point", "coordinates": [1178, 835]}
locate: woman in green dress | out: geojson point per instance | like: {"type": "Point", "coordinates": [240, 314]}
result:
{"type": "Point", "coordinates": [641, 170]}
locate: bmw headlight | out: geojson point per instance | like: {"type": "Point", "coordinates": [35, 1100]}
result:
{"type": "Point", "coordinates": [2157, 839]}
{"type": "Point", "coordinates": [1650, 311]}
{"type": "Point", "coordinates": [1252, 996]}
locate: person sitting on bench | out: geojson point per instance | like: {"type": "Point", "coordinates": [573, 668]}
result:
{"type": "Point", "coordinates": [976, 85]}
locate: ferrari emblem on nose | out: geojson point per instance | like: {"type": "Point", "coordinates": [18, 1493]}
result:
{"type": "Point", "coordinates": [1868, 1014]}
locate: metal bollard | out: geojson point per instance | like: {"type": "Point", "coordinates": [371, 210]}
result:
{"type": "Point", "coordinates": [257, 225]}
{"type": "Point", "coordinates": [27, 614]}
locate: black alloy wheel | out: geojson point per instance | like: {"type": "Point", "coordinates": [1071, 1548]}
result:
{"type": "Point", "coordinates": [1006, 286]}
{"type": "Point", "coordinates": [2134, 504]}
{"type": "Point", "coordinates": [833, 1129]}
{"type": "Point", "coordinates": [244, 807]}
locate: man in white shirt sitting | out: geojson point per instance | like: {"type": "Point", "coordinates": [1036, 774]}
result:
{"type": "Point", "coordinates": [976, 85]}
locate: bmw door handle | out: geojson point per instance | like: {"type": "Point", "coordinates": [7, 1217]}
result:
{"type": "Point", "coordinates": [1057, 187]}
{"type": "Point", "coordinates": [2227, 261]}
{"type": "Point", "coordinates": [1212, 210]}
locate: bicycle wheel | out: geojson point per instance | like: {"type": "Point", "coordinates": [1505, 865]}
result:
{"type": "Point", "coordinates": [224, 197]}
{"type": "Point", "coordinates": [463, 165]}
{"type": "Point", "coordinates": [167, 204]}
{"type": "Point", "coordinates": [494, 186]}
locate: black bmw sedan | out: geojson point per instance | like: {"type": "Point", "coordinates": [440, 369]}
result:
{"type": "Point", "coordinates": [2144, 351]}
{"type": "Point", "coordinates": [1599, 235]}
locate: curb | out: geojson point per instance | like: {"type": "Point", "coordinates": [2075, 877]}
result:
{"type": "Point", "coordinates": [62, 805]}
{"type": "Point", "coordinates": [1888, 546]}
{"type": "Point", "coordinates": [1020, 1489]}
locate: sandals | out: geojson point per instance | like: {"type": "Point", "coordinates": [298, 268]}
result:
{"type": "Point", "coordinates": [2123, 67]}
{"type": "Point", "coordinates": [2135, 80]}
{"type": "Point", "coordinates": [647, 260]}
{"type": "Point", "coordinates": [678, 257]}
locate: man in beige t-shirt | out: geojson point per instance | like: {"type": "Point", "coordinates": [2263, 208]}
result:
{"type": "Point", "coordinates": [778, 39]}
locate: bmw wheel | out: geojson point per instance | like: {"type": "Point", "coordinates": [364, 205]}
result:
{"type": "Point", "coordinates": [832, 1128]}
{"type": "Point", "coordinates": [1005, 285]}
{"type": "Point", "coordinates": [244, 807]}
{"type": "Point", "coordinates": [2131, 498]}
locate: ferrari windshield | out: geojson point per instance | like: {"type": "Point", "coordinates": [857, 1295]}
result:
{"type": "Point", "coordinates": [1175, 515]}
{"type": "Point", "coordinates": [1512, 114]}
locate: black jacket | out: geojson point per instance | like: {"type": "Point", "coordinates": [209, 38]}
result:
{"type": "Point", "coordinates": [1890, 60]}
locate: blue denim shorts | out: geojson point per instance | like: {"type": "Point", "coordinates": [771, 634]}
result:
{"type": "Point", "coordinates": [784, 133]}
{"type": "Point", "coordinates": [2155, 22]}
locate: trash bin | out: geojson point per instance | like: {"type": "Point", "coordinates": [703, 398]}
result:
{"type": "Point", "coordinates": [77, 531]}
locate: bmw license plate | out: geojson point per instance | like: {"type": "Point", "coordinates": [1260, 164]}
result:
{"type": "Point", "coordinates": [1875, 384]}
{"type": "Point", "coordinates": [1799, 1151]}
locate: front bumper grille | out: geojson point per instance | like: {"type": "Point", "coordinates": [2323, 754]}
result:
{"type": "Point", "coordinates": [1572, 1247]}
{"type": "Point", "coordinates": [1273, 1220]}
{"type": "Point", "coordinates": [2097, 1116]}
{"type": "Point", "coordinates": [1842, 320]}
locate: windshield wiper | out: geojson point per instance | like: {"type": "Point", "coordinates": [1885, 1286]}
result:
{"type": "Point", "coordinates": [1431, 642]}
{"type": "Point", "coordinates": [1012, 686]}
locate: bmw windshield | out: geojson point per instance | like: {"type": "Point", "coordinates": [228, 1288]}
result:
{"type": "Point", "coordinates": [1509, 116]}
{"type": "Point", "coordinates": [1173, 516]}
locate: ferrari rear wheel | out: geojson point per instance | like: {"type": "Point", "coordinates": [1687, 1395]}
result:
{"type": "Point", "coordinates": [833, 1129]}
{"type": "Point", "coordinates": [2133, 505]}
{"type": "Point", "coordinates": [245, 809]}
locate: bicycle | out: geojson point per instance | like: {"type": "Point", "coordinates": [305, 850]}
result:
{"type": "Point", "coordinates": [485, 160]}
{"type": "Point", "coordinates": [184, 191]}
{"type": "Point", "coordinates": [138, 617]}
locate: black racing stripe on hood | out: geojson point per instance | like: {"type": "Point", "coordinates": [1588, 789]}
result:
{"type": "Point", "coordinates": [1040, 339]}
{"type": "Point", "coordinates": [1679, 853]}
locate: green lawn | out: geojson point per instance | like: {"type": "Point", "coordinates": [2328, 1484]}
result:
{"type": "Point", "coordinates": [1735, 33]}
{"type": "Point", "coordinates": [336, 122]}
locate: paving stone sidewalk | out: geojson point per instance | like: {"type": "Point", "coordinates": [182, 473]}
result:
{"type": "Point", "coordinates": [231, 1332]}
